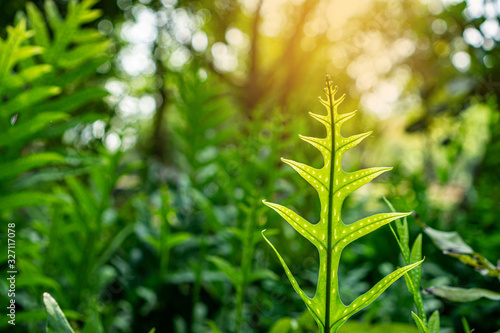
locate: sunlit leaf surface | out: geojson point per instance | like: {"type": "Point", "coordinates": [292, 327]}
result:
{"type": "Point", "coordinates": [330, 235]}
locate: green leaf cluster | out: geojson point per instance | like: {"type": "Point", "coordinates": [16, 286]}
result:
{"type": "Point", "coordinates": [43, 68]}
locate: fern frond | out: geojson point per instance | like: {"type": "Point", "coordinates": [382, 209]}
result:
{"type": "Point", "coordinates": [46, 62]}
{"type": "Point", "coordinates": [330, 235]}
{"type": "Point", "coordinates": [71, 45]}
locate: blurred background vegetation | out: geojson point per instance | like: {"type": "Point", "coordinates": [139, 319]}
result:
{"type": "Point", "coordinates": [138, 138]}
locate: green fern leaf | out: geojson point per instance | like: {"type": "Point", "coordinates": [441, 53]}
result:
{"type": "Point", "coordinates": [330, 235]}
{"type": "Point", "coordinates": [71, 45]}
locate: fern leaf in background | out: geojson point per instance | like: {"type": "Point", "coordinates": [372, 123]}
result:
{"type": "Point", "coordinates": [49, 84]}
{"type": "Point", "coordinates": [74, 51]}
{"type": "Point", "coordinates": [17, 100]}
{"type": "Point", "coordinates": [22, 92]}
{"type": "Point", "coordinates": [330, 235]}
{"type": "Point", "coordinates": [199, 127]}
{"type": "Point", "coordinates": [45, 78]}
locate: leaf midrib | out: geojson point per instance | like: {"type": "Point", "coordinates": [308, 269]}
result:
{"type": "Point", "coordinates": [330, 217]}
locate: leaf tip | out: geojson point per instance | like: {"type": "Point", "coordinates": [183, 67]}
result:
{"type": "Point", "coordinates": [340, 99]}
{"type": "Point", "coordinates": [267, 203]}
{"type": "Point", "coordinates": [407, 213]}
{"type": "Point", "coordinates": [262, 233]}
{"type": "Point", "coordinates": [285, 160]}
{"type": "Point", "coordinates": [48, 300]}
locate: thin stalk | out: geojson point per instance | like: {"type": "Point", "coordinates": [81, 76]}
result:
{"type": "Point", "coordinates": [419, 303]}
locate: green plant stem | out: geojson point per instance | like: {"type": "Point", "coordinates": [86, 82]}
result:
{"type": "Point", "coordinates": [419, 303]}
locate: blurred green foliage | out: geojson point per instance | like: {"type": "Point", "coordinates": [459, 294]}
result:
{"type": "Point", "coordinates": [138, 138]}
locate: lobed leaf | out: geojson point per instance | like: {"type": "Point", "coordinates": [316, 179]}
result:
{"type": "Point", "coordinates": [330, 235]}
